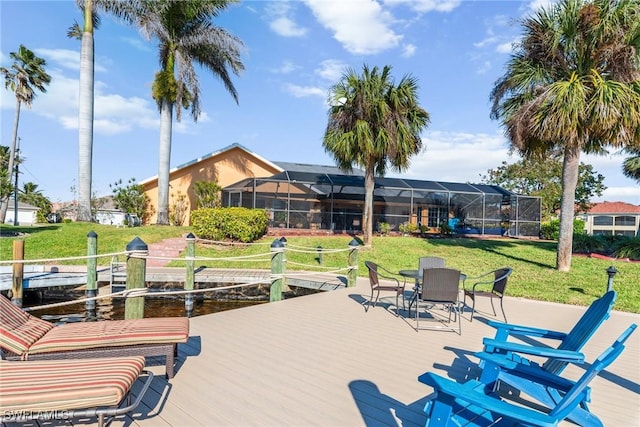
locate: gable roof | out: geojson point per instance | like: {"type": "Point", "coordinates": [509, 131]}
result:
{"type": "Point", "coordinates": [614, 208]}
{"type": "Point", "coordinates": [215, 153]}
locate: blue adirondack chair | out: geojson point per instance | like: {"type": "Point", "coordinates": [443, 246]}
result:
{"type": "Point", "coordinates": [469, 404]}
{"type": "Point", "coordinates": [500, 348]}
{"type": "Point", "coordinates": [504, 361]}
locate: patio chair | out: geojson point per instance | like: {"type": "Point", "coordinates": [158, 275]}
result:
{"type": "Point", "coordinates": [50, 390]}
{"type": "Point", "coordinates": [392, 284]}
{"type": "Point", "coordinates": [505, 361]}
{"type": "Point", "coordinates": [424, 262]}
{"type": "Point", "coordinates": [440, 286]}
{"type": "Point", "coordinates": [498, 281]}
{"type": "Point", "coordinates": [25, 337]}
{"type": "Point", "coordinates": [454, 404]}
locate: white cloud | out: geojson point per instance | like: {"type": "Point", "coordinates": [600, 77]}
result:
{"type": "Point", "coordinates": [458, 156]}
{"type": "Point", "coordinates": [488, 40]}
{"type": "Point", "coordinates": [286, 67]}
{"type": "Point", "coordinates": [286, 27]}
{"type": "Point", "coordinates": [331, 69]}
{"type": "Point", "coordinates": [304, 91]}
{"type": "Point", "coordinates": [506, 47]}
{"type": "Point", "coordinates": [535, 5]}
{"type": "Point", "coordinates": [280, 20]}
{"type": "Point", "coordinates": [68, 59]}
{"type": "Point", "coordinates": [427, 5]}
{"type": "Point", "coordinates": [408, 50]}
{"type": "Point", "coordinates": [348, 19]}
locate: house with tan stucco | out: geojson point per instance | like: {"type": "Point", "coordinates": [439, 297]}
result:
{"type": "Point", "coordinates": [317, 197]}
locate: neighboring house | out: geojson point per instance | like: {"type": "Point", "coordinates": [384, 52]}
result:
{"type": "Point", "coordinates": [612, 218]}
{"type": "Point", "coordinates": [27, 214]}
{"type": "Point", "coordinates": [325, 198]}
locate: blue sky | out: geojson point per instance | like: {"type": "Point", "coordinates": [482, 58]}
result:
{"type": "Point", "coordinates": [293, 52]}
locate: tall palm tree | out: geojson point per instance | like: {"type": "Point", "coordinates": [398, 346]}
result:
{"type": "Point", "coordinates": [374, 124]}
{"type": "Point", "coordinates": [91, 21]}
{"type": "Point", "coordinates": [186, 37]}
{"type": "Point", "coordinates": [573, 84]}
{"type": "Point", "coordinates": [631, 165]}
{"type": "Point", "coordinates": [26, 75]}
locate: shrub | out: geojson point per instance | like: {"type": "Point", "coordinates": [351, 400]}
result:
{"type": "Point", "coordinates": [445, 228]}
{"type": "Point", "coordinates": [583, 243]}
{"type": "Point", "coordinates": [628, 248]}
{"type": "Point", "coordinates": [241, 224]}
{"type": "Point", "coordinates": [384, 228]}
{"type": "Point", "coordinates": [551, 230]}
{"type": "Point", "coordinates": [408, 228]}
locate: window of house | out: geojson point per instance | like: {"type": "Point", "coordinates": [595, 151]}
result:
{"type": "Point", "coordinates": [603, 220]}
{"type": "Point", "coordinates": [625, 221]}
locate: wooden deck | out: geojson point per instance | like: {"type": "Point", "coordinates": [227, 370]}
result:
{"type": "Point", "coordinates": [321, 360]}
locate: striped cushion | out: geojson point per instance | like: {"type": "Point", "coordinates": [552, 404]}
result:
{"type": "Point", "coordinates": [112, 333]}
{"type": "Point", "coordinates": [19, 330]}
{"type": "Point", "coordinates": [66, 384]}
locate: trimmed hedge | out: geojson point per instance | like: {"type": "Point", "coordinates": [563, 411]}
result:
{"type": "Point", "coordinates": [240, 224]}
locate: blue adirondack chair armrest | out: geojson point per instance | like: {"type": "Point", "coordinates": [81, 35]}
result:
{"type": "Point", "coordinates": [503, 330]}
{"type": "Point", "coordinates": [468, 393]}
{"type": "Point", "coordinates": [532, 372]}
{"type": "Point", "coordinates": [548, 352]}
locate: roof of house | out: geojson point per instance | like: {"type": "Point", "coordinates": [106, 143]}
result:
{"type": "Point", "coordinates": [212, 154]}
{"type": "Point", "coordinates": [614, 208]}
{"type": "Point", "coordinates": [22, 206]}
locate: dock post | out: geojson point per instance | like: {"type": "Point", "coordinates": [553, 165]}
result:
{"type": "Point", "coordinates": [353, 263]}
{"type": "Point", "coordinates": [92, 272]}
{"type": "Point", "coordinates": [18, 272]}
{"type": "Point", "coordinates": [190, 267]}
{"type": "Point", "coordinates": [136, 279]}
{"type": "Point", "coordinates": [277, 270]}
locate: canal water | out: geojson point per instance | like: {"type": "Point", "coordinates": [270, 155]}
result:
{"type": "Point", "coordinates": [155, 306]}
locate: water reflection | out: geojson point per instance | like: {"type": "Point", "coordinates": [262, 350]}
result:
{"type": "Point", "coordinates": [113, 308]}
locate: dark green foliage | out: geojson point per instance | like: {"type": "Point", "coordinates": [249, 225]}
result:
{"type": "Point", "coordinates": [542, 177]}
{"type": "Point", "coordinates": [583, 243]}
{"type": "Point", "coordinates": [241, 224]}
{"type": "Point", "coordinates": [628, 247]}
{"type": "Point", "coordinates": [551, 230]}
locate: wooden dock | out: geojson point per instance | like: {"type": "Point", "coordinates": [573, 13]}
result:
{"type": "Point", "coordinates": [321, 360]}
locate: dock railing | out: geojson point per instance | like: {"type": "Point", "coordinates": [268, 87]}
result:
{"type": "Point", "coordinates": [134, 275]}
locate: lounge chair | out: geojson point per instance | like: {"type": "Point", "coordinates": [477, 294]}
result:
{"type": "Point", "coordinates": [49, 390]}
{"type": "Point", "coordinates": [469, 404]}
{"type": "Point", "coordinates": [25, 337]}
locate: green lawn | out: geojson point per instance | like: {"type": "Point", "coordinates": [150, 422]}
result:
{"type": "Point", "coordinates": [533, 262]}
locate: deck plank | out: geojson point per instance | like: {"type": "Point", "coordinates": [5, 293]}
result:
{"type": "Point", "coordinates": [321, 360]}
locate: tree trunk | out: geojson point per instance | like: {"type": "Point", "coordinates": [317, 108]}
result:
{"type": "Point", "coordinates": [367, 212]}
{"type": "Point", "coordinates": [164, 161]}
{"type": "Point", "coordinates": [85, 125]}
{"type": "Point", "coordinates": [4, 203]}
{"type": "Point", "coordinates": [569, 182]}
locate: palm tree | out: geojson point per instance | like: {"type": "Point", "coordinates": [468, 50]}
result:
{"type": "Point", "coordinates": [27, 73]}
{"type": "Point", "coordinates": [631, 165]}
{"type": "Point", "coordinates": [572, 84]}
{"type": "Point", "coordinates": [374, 124]}
{"type": "Point", "coordinates": [186, 36]}
{"type": "Point", "coordinates": [91, 21]}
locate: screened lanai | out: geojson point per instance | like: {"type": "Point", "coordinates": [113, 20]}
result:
{"type": "Point", "coordinates": [315, 199]}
